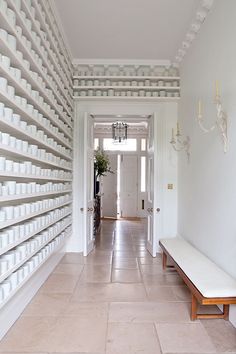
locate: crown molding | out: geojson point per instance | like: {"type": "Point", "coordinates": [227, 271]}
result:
{"type": "Point", "coordinates": [195, 27]}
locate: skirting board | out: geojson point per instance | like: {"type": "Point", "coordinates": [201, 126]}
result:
{"type": "Point", "coordinates": [16, 305]}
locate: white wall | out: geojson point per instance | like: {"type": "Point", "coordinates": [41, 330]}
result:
{"type": "Point", "coordinates": [207, 185]}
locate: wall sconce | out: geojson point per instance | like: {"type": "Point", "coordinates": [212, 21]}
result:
{"type": "Point", "coordinates": [178, 143]}
{"type": "Point", "coordinates": [221, 119]}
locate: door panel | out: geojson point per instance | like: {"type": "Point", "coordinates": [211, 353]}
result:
{"type": "Point", "coordinates": [109, 190]}
{"type": "Point", "coordinates": [88, 185]}
{"type": "Point", "coordinates": [129, 185]}
{"type": "Point", "coordinates": [152, 216]}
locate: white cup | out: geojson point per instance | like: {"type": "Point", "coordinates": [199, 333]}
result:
{"type": "Point", "coordinates": [2, 163]}
{"type": "Point", "coordinates": [6, 62]}
{"type": "Point", "coordinates": [3, 84]}
{"type": "Point", "coordinates": [5, 139]}
{"type": "Point", "coordinates": [9, 210]}
{"type": "Point", "coordinates": [12, 42]}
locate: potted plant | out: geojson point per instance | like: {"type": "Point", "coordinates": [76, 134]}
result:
{"type": "Point", "coordinates": [101, 167]}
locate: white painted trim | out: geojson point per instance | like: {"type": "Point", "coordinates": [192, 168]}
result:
{"type": "Point", "coordinates": [120, 62]}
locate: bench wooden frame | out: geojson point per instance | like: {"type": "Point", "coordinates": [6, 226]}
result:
{"type": "Point", "coordinates": [197, 297]}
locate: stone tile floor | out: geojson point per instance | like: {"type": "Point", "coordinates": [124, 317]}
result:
{"type": "Point", "coordinates": [115, 301]}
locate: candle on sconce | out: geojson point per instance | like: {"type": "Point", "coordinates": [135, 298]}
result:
{"type": "Point", "coordinates": [173, 134]}
{"type": "Point", "coordinates": [199, 108]}
{"type": "Point", "coordinates": [217, 88]}
{"type": "Point", "coordinates": [178, 130]}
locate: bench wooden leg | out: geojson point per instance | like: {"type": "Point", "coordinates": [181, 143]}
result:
{"type": "Point", "coordinates": [164, 260]}
{"type": "Point", "coordinates": [194, 308]}
{"type": "Point", "coordinates": [226, 312]}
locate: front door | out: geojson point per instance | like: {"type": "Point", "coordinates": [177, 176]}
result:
{"type": "Point", "coordinates": [109, 190]}
{"type": "Point", "coordinates": [129, 186]}
{"type": "Point", "coordinates": [88, 185]}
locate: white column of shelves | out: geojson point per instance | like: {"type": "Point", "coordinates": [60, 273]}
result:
{"type": "Point", "coordinates": [118, 83]}
{"type": "Point", "coordinates": [36, 144]}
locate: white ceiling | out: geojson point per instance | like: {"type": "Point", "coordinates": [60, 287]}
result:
{"type": "Point", "coordinates": [126, 29]}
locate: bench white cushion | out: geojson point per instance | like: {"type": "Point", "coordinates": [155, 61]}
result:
{"type": "Point", "coordinates": [207, 277]}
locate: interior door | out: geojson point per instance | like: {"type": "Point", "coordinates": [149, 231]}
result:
{"type": "Point", "coordinates": [152, 208]}
{"type": "Point", "coordinates": [88, 208]}
{"type": "Point", "coordinates": [129, 185]}
{"type": "Point", "coordinates": [109, 190]}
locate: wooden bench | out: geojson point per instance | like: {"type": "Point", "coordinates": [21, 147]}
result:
{"type": "Point", "coordinates": [209, 285]}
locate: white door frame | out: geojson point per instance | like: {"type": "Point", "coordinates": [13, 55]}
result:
{"type": "Point", "coordinates": [95, 107]}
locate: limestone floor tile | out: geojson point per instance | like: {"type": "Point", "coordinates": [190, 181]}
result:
{"type": "Point", "coordinates": [56, 334]}
{"type": "Point", "coordinates": [149, 312]}
{"type": "Point", "coordinates": [47, 305]}
{"type": "Point", "coordinates": [152, 269]}
{"type": "Point", "coordinates": [75, 334]}
{"type": "Point", "coordinates": [222, 334]}
{"type": "Point", "coordinates": [98, 259]}
{"type": "Point", "coordinates": [69, 268]}
{"type": "Point", "coordinates": [125, 263]}
{"type": "Point", "coordinates": [106, 292]}
{"type": "Point", "coordinates": [96, 273]}
{"type": "Point", "coordinates": [132, 338]}
{"type": "Point", "coordinates": [149, 260]}
{"type": "Point", "coordinates": [71, 257]}
{"type": "Point", "coordinates": [162, 279]}
{"type": "Point", "coordinates": [126, 276]}
{"type": "Point", "coordinates": [184, 338]}
{"type": "Point", "coordinates": [124, 254]}
{"type": "Point", "coordinates": [86, 310]}
{"type": "Point", "coordinates": [160, 293]}
{"type": "Point", "coordinates": [60, 283]}
{"type": "Point", "coordinates": [182, 293]}
{"type": "Point", "coordinates": [29, 334]}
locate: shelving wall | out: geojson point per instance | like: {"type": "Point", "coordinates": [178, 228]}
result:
{"type": "Point", "coordinates": [126, 82]}
{"type": "Point", "coordinates": [36, 147]}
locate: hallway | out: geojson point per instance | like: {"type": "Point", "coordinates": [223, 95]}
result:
{"type": "Point", "coordinates": [115, 301]}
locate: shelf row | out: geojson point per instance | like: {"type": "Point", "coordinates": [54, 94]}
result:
{"type": "Point", "coordinates": [27, 211]}
{"type": "Point", "coordinates": [115, 78]}
{"type": "Point", "coordinates": [30, 59]}
{"type": "Point", "coordinates": [55, 57]}
{"type": "Point", "coordinates": [126, 98]}
{"type": "Point", "coordinates": [13, 259]}
{"type": "Point", "coordinates": [17, 279]}
{"type": "Point", "coordinates": [129, 94]}
{"type": "Point", "coordinates": [15, 17]}
{"type": "Point", "coordinates": [12, 190]}
{"type": "Point", "coordinates": [26, 170]}
{"type": "Point", "coordinates": [35, 94]}
{"type": "Point", "coordinates": [20, 150]}
{"type": "Point", "coordinates": [14, 236]}
{"type": "Point", "coordinates": [12, 123]}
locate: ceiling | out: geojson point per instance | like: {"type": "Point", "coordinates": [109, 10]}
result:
{"type": "Point", "coordinates": [126, 29]}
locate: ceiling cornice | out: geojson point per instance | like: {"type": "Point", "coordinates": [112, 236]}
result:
{"type": "Point", "coordinates": [195, 26]}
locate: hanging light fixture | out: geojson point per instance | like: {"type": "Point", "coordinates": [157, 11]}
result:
{"type": "Point", "coordinates": [119, 132]}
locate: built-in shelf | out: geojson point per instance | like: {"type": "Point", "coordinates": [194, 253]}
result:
{"type": "Point", "coordinates": [18, 242]}
{"type": "Point", "coordinates": [17, 176]}
{"type": "Point", "coordinates": [8, 151]}
{"type": "Point", "coordinates": [36, 126]}
{"type": "Point", "coordinates": [127, 98]}
{"type": "Point", "coordinates": [19, 286]}
{"type": "Point", "coordinates": [27, 54]}
{"type": "Point", "coordinates": [12, 222]}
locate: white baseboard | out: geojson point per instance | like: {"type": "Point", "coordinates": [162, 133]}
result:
{"type": "Point", "coordinates": [16, 305]}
